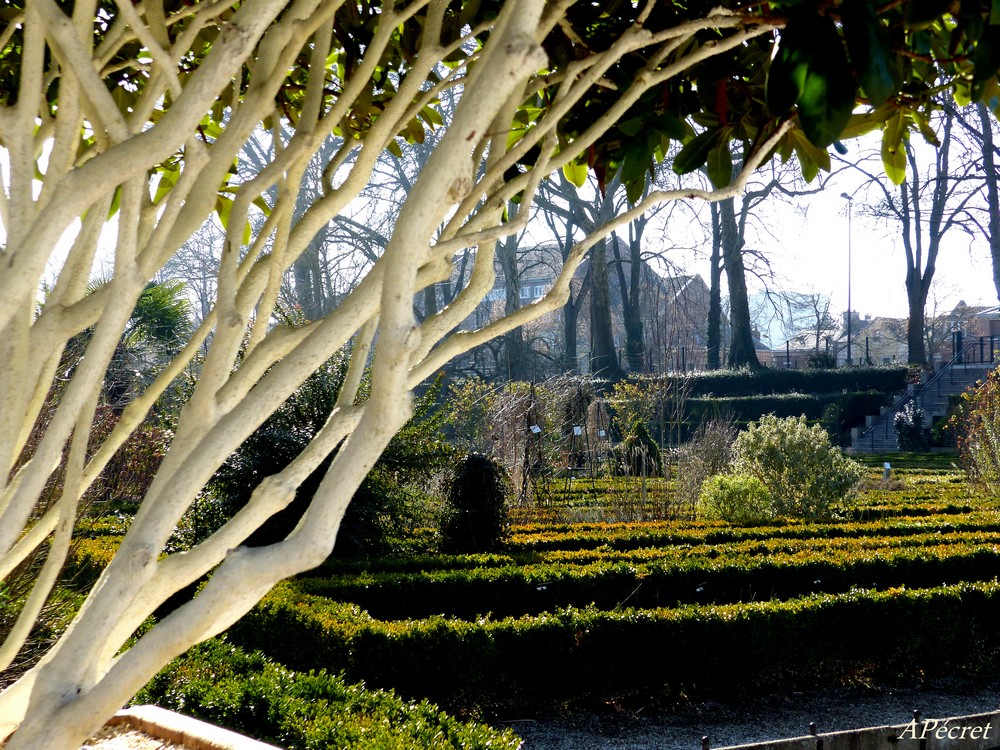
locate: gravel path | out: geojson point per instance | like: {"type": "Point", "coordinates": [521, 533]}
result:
{"type": "Point", "coordinates": [769, 718]}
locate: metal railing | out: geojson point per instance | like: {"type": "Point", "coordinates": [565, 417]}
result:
{"type": "Point", "coordinates": [981, 351]}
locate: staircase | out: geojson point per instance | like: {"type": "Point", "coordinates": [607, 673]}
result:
{"type": "Point", "coordinates": [970, 365]}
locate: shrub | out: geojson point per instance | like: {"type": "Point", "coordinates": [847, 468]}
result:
{"type": "Point", "coordinates": [468, 410]}
{"type": "Point", "coordinates": [909, 425]}
{"type": "Point", "coordinates": [475, 516]}
{"type": "Point", "coordinates": [806, 475]}
{"type": "Point", "coordinates": [251, 694]}
{"type": "Point", "coordinates": [979, 434]}
{"type": "Point", "coordinates": [638, 454]}
{"type": "Point", "coordinates": [389, 502]}
{"type": "Point", "coordinates": [736, 498]}
{"type": "Point", "coordinates": [709, 452]}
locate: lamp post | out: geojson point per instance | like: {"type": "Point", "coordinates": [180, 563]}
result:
{"type": "Point", "coordinates": [850, 205]}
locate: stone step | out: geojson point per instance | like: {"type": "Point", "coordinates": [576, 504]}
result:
{"type": "Point", "coordinates": [934, 399]}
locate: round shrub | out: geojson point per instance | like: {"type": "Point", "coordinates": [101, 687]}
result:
{"type": "Point", "coordinates": [909, 426]}
{"type": "Point", "coordinates": [638, 455]}
{"type": "Point", "coordinates": [736, 498]}
{"type": "Point", "coordinates": [806, 475]}
{"type": "Point", "coordinates": [475, 516]}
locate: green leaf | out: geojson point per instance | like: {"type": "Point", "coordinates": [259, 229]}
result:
{"type": "Point", "coordinates": [224, 208]}
{"type": "Point", "coordinates": [795, 55]}
{"type": "Point", "coordinates": [632, 127]}
{"type": "Point", "coordinates": [925, 129]}
{"type": "Point", "coordinates": [922, 13]}
{"type": "Point", "coordinates": [995, 13]}
{"type": "Point", "coordinates": [674, 127]}
{"type": "Point", "coordinates": [635, 162]}
{"type": "Point", "coordinates": [116, 202]}
{"type": "Point", "coordinates": [784, 78]}
{"type": "Point", "coordinates": [871, 55]}
{"type": "Point", "coordinates": [986, 59]}
{"type": "Point", "coordinates": [828, 93]}
{"type": "Point", "coordinates": [863, 123]}
{"type": "Point", "coordinates": [811, 158]}
{"type": "Point", "coordinates": [811, 70]}
{"type": "Point", "coordinates": [634, 190]}
{"type": "Point", "coordinates": [720, 165]}
{"type": "Point", "coordinates": [168, 179]}
{"type": "Point", "coordinates": [893, 152]}
{"type": "Point", "coordinates": [695, 152]}
{"type": "Point", "coordinates": [576, 173]}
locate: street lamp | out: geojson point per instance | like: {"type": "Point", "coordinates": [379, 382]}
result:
{"type": "Point", "coordinates": [850, 205]}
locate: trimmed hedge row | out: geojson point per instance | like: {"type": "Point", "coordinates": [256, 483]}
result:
{"type": "Point", "coordinates": [729, 383]}
{"type": "Point", "coordinates": [513, 664]}
{"type": "Point", "coordinates": [661, 533]}
{"type": "Point", "coordinates": [248, 693]}
{"type": "Point", "coordinates": [748, 408]}
{"type": "Point", "coordinates": [658, 578]}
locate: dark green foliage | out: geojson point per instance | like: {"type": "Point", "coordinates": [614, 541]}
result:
{"type": "Point", "coordinates": [316, 710]}
{"type": "Point", "coordinates": [854, 406]}
{"type": "Point", "coordinates": [580, 654]}
{"type": "Point", "coordinates": [978, 438]}
{"type": "Point", "coordinates": [821, 361]}
{"type": "Point", "coordinates": [808, 70]}
{"type": "Point", "coordinates": [848, 411]}
{"type": "Point", "coordinates": [733, 383]}
{"type": "Point", "coordinates": [806, 475]}
{"type": "Point", "coordinates": [475, 515]}
{"type": "Point", "coordinates": [637, 455]}
{"type": "Point", "coordinates": [581, 611]}
{"type": "Point", "coordinates": [735, 498]}
{"type": "Point", "coordinates": [388, 503]}
{"type": "Point", "coordinates": [720, 573]}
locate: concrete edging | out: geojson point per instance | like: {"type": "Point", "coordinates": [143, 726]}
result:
{"type": "Point", "coordinates": [972, 732]}
{"type": "Point", "coordinates": [184, 730]}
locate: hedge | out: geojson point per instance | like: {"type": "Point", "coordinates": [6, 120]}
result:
{"type": "Point", "coordinates": [659, 533]}
{"type": "Point", "coordinates": [730, 383]}
{"type": "Point", "coordinates": [572, 654]}
{"type": "Point", "coordinates": [248, 693]}
{"type": "Point", "coordinates": [745, 409]}
{"type": "Point", "coordinates": [655, 578]}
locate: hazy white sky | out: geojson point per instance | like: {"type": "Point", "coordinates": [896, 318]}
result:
{"type": "Point", "coordinates": [814, 253]}
{"type": "Point", "coordinates": [806, 242]}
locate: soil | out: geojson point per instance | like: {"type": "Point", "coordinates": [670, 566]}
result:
{"type": "Point", "coordinates": [774, 717]}
{"type": "Point", "coordinates": [125, 738]}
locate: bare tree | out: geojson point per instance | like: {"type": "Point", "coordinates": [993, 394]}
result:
{"type": "Point", "coordinates": [927, 205]}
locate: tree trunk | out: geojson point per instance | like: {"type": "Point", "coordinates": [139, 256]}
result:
{"type": "Point", "coordinates": [603, 356]}
{"type": "Point", "coordinates": [741, 352]}
{"type": "Point", "coordinates": [309, 289]}
{"type": "Point", "coordinates": [515, 355]}
{"type": "Point", "coordinates": [713, 347]}
{"type": "Point", "coordinates": [916, 293]}
{"type": "Point", "coordinates": [571, 314]}
{"type": "Point", "coordinates": [635, 344]}
{"type": "Point", "coordinates": [992, 191]}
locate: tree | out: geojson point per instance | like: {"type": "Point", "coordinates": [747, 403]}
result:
{"type": "Point", "coordinates": [580, 216]}
{"type": "Point", "coordinates": [927, 205]}
{"type": "Point", "coordinates": [992, 189]}
{"type": "Point", "coordinates": [806, 312]}
{"type": "Point", "coordinates": [141, 111]}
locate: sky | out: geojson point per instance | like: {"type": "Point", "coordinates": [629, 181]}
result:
{"type": "Point", "coordinates": [815, 248]}
{"type": "Point", "coordinates": [806, 242]}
